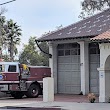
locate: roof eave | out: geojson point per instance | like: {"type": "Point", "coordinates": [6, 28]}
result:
{"type": "Point", "coordinates": [101, 40]}
{"type": "Point", "coordinates": [59, 39]}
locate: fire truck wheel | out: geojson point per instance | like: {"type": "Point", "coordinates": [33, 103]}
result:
{"type": "Point", "coordinates": [33, 91]}
{"type": "Point", "coordinates": [17, 95]}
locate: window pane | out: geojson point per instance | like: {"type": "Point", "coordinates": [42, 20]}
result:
{"type": "Point", "coordinates": [60, 46]}
{"type": "Point", "coordinates": [67, 52]}
{"type": "Point", "coordinates": [2, 68]}
{"type": "Point", "coordinates": [68, 46]}
{"type": "Point", "coordinates": [98, 51]}
{"type": "Point", "coordinates": [60, 52]}
{"type": "Point", "coordinates": [12, 68]}
{"type": "Point", "coordinates": [75, 45]}
{"type": "Point", "coordinates": [78, 51]}
{"type": "Point", "coordinates": [93, 45]}
{"type": "Point", "coordinates": [74, 52]}
{"type": "Point", "coordinates": [93, 51]}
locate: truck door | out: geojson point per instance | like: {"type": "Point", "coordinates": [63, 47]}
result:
{"type": "Point", "coordinates": [24, 70]}
{"type": "Point", "coordinates": [24, 74]}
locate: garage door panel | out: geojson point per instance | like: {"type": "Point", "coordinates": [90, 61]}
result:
{"type": "Point", "coordinates": [68, 89]}
{"type": "Point", "coordinates": [64, 60]}
{"type": "Point", "coordinates": [93, 67]}
{"type": "Point", "coordinates": [62, 88]}
{"type": "Point", "coordinates": [64, 67]}
{"type": "Point", "coordinates": [75, 59]}
{"type": "Point", "coordinates": [94, 75]}
{"type": "Point", "coordinates": [95, 89]}
{"type": "Point", "coordinates": [93, 82]}
{"type": "Point", "coordinates": [75, 67]}
{"type": "Point", "coordinates": [75, 81]}
{"type": "Point", "coordinates": [76, 74]}
{"type": "Point", "coordinates": [75, 89]}
{"type": "Point", "coordinates": [94, 58]}
{"type": "Point", "coordinates": [68, 79]}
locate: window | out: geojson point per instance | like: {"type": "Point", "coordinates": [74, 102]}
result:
{"type": "Point", "coordinates": [68, 46]}
{"type": "Point", "coordinates": [60, 52]}
{"type": "Point", "coordinates": [75, 45]}
{"type": "Point", "coordinates": [2, 68]}
{"type": "Point", "coordinates": [74, 51]}
{"type": "Point", "coordinates": [60, 46]}
{"type": "Point", "coordinates": [94, 48]}
{"type": "Point", "coordinates": [67, 52]}
{"type": "Point", "coordinates": [12, 68]}
{"type": "Point", "coordinates": [68, 49]}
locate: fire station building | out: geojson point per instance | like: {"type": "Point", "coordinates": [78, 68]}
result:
{"type": "Point", "coordinates": [81, 56]}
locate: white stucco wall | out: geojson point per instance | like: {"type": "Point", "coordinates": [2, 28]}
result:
{"type": "Point", "coordinates": [53, 63]}
{"type": "Point", "coordinates": [104, 72]}
{"type": "Point", "coordinates": [84, 63]}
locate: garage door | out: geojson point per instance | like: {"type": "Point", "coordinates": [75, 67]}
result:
{"type": "Point", "coordinates": [69, 80]}
{"type": "Point", "coordinates": [94, 64]}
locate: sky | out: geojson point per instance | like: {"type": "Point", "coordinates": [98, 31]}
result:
{"type": "Point", "coordinates": [39, 16]}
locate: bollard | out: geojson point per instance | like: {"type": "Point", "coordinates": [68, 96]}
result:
{"type": "Point", "coordinates": [48, 89]}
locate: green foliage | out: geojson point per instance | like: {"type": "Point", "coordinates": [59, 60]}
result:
{"type": "Point", "coordinates": [44, 57]}
{"type": "Point", "coordinates": [13, 37]}
{"type": "Point", "coordinates": [10, 38]}
{"type": "Point", "coordinates": [31, 55]}
{"type": "Point", "coordinates": [91, 6]}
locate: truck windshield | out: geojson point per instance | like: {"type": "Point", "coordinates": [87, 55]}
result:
{"type": "Point", "coordinates": [2, 68]}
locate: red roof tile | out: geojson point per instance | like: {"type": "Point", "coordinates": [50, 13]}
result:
{"type": "Point", "coordinates": [103, 36]}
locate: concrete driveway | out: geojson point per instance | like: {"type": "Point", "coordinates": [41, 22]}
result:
{"type": "Point", "coordinates": [62, 102]}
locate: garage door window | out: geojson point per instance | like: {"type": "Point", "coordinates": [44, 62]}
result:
{"type": "Point", "coordinates": [68, 49]}
{"type": "Point", "coordinates": [94, 48]}
{"type": "Point", "coordinates": [67, 52]}
{"type": "Point", "coordinates": [61, 53]}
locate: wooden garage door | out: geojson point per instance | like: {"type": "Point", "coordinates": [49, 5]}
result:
{"type": "Point", "coordinates": [69, 80]}
{"type": "Point", "coordinates": [94, 64]}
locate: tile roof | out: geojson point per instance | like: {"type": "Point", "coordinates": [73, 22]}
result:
{"type": "Point", "coordinates": [103, 36]}
{"type": "Point", "coordinates": [89, 27]}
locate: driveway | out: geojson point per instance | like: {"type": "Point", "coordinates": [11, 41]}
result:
{"type": "Point", "coordinates": [62, 102]}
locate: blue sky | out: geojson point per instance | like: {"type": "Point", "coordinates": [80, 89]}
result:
{"type": "Point", "coordinates": [39, 16]}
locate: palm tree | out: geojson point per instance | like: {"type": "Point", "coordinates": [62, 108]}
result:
{"type": "Point", "coordinates": [2, 34]}
{"type": "Point", "coordinates": [13, 37]}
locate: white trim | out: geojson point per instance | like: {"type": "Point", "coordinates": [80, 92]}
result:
{"type": "Point", "coordinates": [9, 82]}
{"type": "Point", "coordinates": [33, 81]}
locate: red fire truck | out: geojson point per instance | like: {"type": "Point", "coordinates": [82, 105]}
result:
{"type": "Point", "coordinates": [19, 80]}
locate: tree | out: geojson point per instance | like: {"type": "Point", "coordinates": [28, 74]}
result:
{"type": "Point", "coordinates": [91, 6]}
{"type": "Point", "coordinates": [13, 33]}
{"type": "Point", "coordinates": [31, 54]}
{"type": "Point", "coordinates": [10, 36]}
{"type": "Point", "coordinates": [2, 22]}
{"type": "Point", "coordinates": [44, 57]}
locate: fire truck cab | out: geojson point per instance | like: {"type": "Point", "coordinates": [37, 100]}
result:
{"type": "Point", "coordinates": [19, 79]}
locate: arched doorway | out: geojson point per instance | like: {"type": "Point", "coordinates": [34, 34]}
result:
{"type": "Point", "coordinates": [107, 78]}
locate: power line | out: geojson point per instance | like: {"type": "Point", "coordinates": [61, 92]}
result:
{"type": "Point", "coordinates": [7, 2]}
